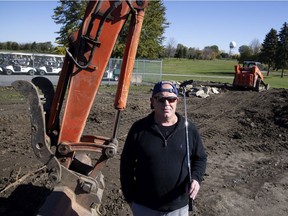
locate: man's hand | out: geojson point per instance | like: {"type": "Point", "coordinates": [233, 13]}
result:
{"type": "Point", "coordinates": [194, 188]}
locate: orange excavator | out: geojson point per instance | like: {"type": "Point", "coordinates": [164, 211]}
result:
{"type": "Point", "coordinates": [60, 143]}
{"type": "Point", "coordinates": [249, 76]}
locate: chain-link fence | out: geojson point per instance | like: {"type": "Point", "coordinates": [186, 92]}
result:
{"type": "Point", "coordinates": [145, 71]}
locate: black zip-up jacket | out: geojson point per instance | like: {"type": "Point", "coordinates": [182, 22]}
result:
{"type": "Point", "coordinates": [154, 170]}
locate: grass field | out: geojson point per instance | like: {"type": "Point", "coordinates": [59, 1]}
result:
{"type": "Point", "coordinates": [212, 70]}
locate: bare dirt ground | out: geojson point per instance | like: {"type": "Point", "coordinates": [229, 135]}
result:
{"type": "Point", "coordinates": [245, 134]}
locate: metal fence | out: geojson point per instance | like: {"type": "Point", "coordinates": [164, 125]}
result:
{"type": "Point", "coordinates": [48, 64]}
{"type": "Point", "coordinates": [144, 71]}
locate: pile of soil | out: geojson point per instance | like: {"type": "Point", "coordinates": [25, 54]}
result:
{"type": "Point", "coordinates": [245, 134]}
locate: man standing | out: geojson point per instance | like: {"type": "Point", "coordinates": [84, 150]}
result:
{"type": "Point", "coordinates": [153, 170]}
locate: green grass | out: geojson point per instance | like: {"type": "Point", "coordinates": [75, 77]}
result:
{"type": "Point", "coordinates": [9, 94]}
{"type": "Point", "coordinates": [212, 70]}
{"type": "Point", "coordinates": [277, 82]}
{"type": "Point", "coordinates": [203, 67]}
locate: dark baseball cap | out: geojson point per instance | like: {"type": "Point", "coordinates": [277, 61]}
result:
{"type": "Point", "coordinates": [158, 88]}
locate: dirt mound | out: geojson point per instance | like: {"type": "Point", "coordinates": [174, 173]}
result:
{"type": "Point", "coordinates": [245, 134]}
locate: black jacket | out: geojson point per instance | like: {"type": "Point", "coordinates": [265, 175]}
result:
{"type": "Point", "coordinates": [154, 170]}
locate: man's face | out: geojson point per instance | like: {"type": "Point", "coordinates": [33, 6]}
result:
{"type": "Point", "coordinates": [165, 103]}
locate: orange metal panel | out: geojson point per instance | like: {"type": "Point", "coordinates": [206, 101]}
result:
{"type": "Point", "coordinates": [85, 82]}
{"type": "Point", "coordinates": [128, 61]}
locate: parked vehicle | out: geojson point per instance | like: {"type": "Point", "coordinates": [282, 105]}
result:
{"type": "Point", "coordinates": [116, 71]}
{"type": "Point", "coordinates": [249, 76]}
{"type": "Point", "coordinates": [1, 64]}
{"type": "Point", "coordinates": [49, 68]}
{"type": "Point", "coordinates": [30, 63]}
{"type": "Point", "coordinates": [46, 70]}
{"type": "Point", "coordinates": [112, 71]}
{"type": "Point", "coordinates": [108, 74]}
{"type": "Point", "coordinates": [47, 64]}
{"type": "Point", "coordinates": [18, 69]}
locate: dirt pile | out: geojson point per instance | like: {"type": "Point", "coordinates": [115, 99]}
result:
{"type": "Point", "coordinates": [245, 134]}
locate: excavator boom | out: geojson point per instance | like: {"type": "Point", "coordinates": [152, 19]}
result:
{"type": "Point", "coordinates": [60, 143]}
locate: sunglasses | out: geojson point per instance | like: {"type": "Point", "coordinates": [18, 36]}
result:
{"type": "Point", "coordinates": [170, 99]}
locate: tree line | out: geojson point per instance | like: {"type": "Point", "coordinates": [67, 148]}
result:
{"type": "Point", "coordinates": [181, 51]}
{"type": "Point", "coordinates": [45, 47]}
{"type": "Point", "coordinates": [273, 51]}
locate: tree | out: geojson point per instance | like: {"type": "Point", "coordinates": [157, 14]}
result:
{"type": "Point", "coordinates": [8, 45]}
{"type": "Point", "coordinates": [208, 53]}
{"type": "Point", "coordinates": [191, 53]}
{"type": "Point", "coordinates": [181, 51]}
{"type": "Point", "coordinates": [255, 46]}
{"type": "Point", "coordinates": [223, 54]}
{"type": "Point", "coordinates": [59, 50]}
{"type": "Point", "coordinates": [170, 48]}
{"type": "Point", "coordinates": [14, 46]}
{"type": "Point", "coordinates": [26, 46]}
{"type": "Point", "coordinates": [45, 47]}
{"type": "Point", "coordinates": [269, 49]}
{"type": "Point", "coordinates": [34, 46]}
{"type": "Point", "coordinates": [70, 13]}
{"type": "Point", "coordinates": [246, 53]}
{"type": "Point", "coordinates": [151, 39]}
{"type": "Point", "coordinates": [215, 49]}
{"type": "Point", "coordinates": [282, 50]}
{"type": "Point", "coordinates": [211, 52]}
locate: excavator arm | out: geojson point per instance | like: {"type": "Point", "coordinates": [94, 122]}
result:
{"type": "Point", "coordinates": [60, 143]}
